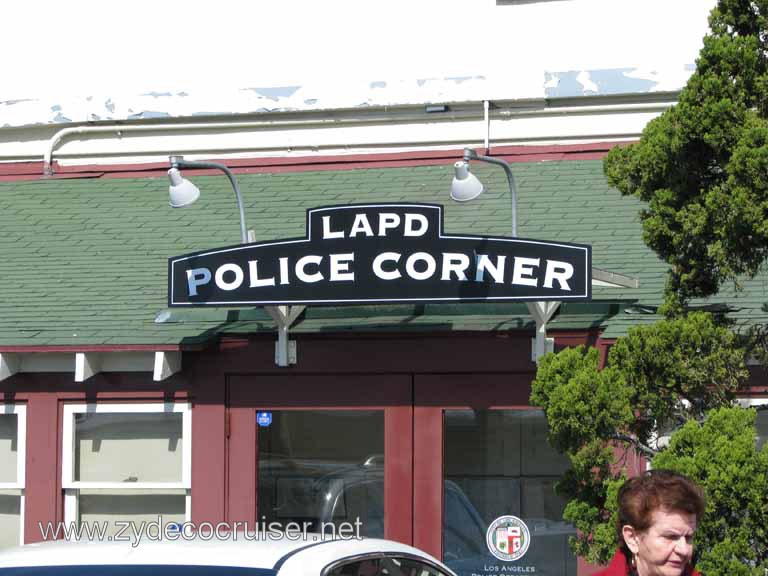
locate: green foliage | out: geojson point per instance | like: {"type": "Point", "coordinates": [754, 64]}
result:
{"type": "Point", "coordinates": [702, 166]}
{"type": "Point", "coordinates": [757, 338]}
{"type": "Point", "coordinates": [677, 369]}
{"type": "Point", "coordinates": [583, 402]}
{"type": "Point", "coordinates": [669, 372]}
{"type": "Point", "coordinates": [702, 169]}
{"type": "Point", "coordinates": [722, 457]}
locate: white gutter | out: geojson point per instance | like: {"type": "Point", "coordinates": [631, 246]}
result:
{"type": "Point", "coordinates": [61, 135]}
{"type": "Point", "coordinates": [503, 113]}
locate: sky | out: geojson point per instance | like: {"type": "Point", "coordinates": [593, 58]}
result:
{"type": "Point", "coordinates": [78, 47]}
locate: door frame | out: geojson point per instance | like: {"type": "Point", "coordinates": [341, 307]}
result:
{"type": "Point", "coordinates": [392, 393]}
{"type": "Point", "coordinates": [433, 394]}
{"type": "Point", "coordinates": [413, 405]}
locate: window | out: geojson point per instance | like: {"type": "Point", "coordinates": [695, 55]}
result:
{"type": "Point", "coordinates": [384, 566]}
{"type": "Point", "coordinates": [126, 462]}
{"type": "Point", "coordinates": [761, 420]}
{"type": "Point", "coordinates": [499, 463]}
{"type": "Point", "coordinates": [12, 457]}
{"type": "Point", "coordinates": [323, 467]}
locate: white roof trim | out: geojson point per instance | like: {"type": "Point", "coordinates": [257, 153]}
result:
{"type": "Point", "coordinates": [613, 279]}
{"type": "Point", "coordinates": [84, 365]}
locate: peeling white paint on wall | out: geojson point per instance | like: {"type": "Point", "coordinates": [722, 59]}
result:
{"type": "Point", "coordinates": [587, 86]}
{"type": "Point", "coordinates": [83, 61]}
{"type": "Point", "coordinates": [300, 77]}
{"type": "Point", "coordinates": [225, 101]}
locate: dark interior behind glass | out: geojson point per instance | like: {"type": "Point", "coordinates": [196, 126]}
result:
{"type": "Point", "coordinates": [498, 462]}
{"type": "Point", "coordinates": [322, 466]}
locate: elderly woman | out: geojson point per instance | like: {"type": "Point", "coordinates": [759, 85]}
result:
{"type": "Point", "coordinates": [658, 514]}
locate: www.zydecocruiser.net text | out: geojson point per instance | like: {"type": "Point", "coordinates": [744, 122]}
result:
{"type": "Point", "coordinates": [158, 530]}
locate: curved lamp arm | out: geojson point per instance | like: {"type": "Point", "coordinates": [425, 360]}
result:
{"type": "Point", "coordinates": [179, 162]}
{"type": "Point", "coordinates": [470, 154]}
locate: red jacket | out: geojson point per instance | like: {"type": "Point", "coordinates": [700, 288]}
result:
{"type": "Point", "coordinates": [619, 567]}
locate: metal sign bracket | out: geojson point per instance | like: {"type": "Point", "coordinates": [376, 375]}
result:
{"type": "Point", "coordinates": [542, 312]}
{"type": "Point", "coordinates": [284, 317]}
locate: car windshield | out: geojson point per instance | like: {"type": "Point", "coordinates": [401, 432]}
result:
{"type": "Point", "coordinates": [135, 570]}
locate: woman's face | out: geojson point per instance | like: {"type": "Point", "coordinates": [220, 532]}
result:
{"type": "Point", "coordinates": [666, 548]}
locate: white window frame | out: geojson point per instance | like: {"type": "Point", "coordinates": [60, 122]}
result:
{"type": "Point", "coordinates": [20, 410]}
{"type": "Point", "coordinates": [743, 402]}
{"type": "Point", "coordinates": [72, 487]}
{"type": "Point", "coordinates": [752, 402]}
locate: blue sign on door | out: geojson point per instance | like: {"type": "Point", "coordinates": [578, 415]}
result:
{"type": "Point", "coordinates": [264, 418]}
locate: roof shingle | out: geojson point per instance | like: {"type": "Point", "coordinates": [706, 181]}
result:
{"type": "Point", "coordinates": [84, 260]}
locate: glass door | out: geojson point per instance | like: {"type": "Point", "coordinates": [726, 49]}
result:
{"type": "Point", "coordinates": [497, 510]}
{"type": "Point", "coordinates": [500, 506]}
{"type": "Point", "coordinates": [326, 453]}
{"type": "Point", "coordinates": [322, 470]}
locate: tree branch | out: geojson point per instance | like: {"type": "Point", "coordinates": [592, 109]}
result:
{"type": "Point", "coordinates": [647, 450]}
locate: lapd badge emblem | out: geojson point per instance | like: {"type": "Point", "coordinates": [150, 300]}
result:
{"type": "Point", "coordinates": [508, 538]}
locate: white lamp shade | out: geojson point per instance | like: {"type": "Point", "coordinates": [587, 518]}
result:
{"type": "Point", "coordinates": [182, 192]}
{"type": "Point", "coordinates": [465, 185]}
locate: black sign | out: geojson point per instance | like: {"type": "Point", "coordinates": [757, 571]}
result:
{"type": "Point", "coordinates": [380, 253]}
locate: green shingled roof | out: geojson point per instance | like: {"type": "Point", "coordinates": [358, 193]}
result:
{"type": "Point", "coordinates": [84, 260]}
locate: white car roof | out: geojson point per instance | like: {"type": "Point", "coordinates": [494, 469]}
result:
{"type": "Point", "coordinates": [302, 557]}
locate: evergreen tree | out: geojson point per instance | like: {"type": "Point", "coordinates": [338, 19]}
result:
{"type": "Point", "coordinates": [702, 166]}
{"type": "Point", "coordinates": [657, 378]}
{"type": "Point", "coordinates": [667, 389]}
{"type": "Point", "coordinates": [721, 456]}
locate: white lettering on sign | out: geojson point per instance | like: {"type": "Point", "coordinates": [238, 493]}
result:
{"type": "Point", "coordinates": [370, 247]}
{"type": "Point", "coordinates": [413, 225]}
{"type": "Point", "coordinates": [388, 221]}
{"type": "Point", "coordinates": [301, 265]}
{"type": "Point", "coordinates": [284, 271]}
{"type": "Point", "coordinates": [456, 264]}
{"type": "Point", "coordinates": [361, 224]}
{"type": "Point", "coordinates": [379, 270]}
{"type": "Point", "coordinates": [327, 229]}
{"type": "Point", "coordinates": [253, 273]}
{"type": "Point", "coordinates": [232, 285]}
{"type": "Point", "coordinates": [428, 259]}
{"type": "Point", "coordinates": [560, 271]}
{"type": "Point", "coordinates": [340, 267]}
{"type": "Point", "coordinates": [484, 265]}
{"type": "Point", "coordinates": [197, 277]}
{"type": "Point", "coordinates": [411, 220]}
{"type": "Point", "coordinates": [522, 272]}
{"type": "Point", "coordinates": [419, 266]}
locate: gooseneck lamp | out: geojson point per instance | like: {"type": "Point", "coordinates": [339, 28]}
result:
{"type": "Point", "coordinates": [183, 193]}
{"type": "Point", "coordinates": [466, 186]}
